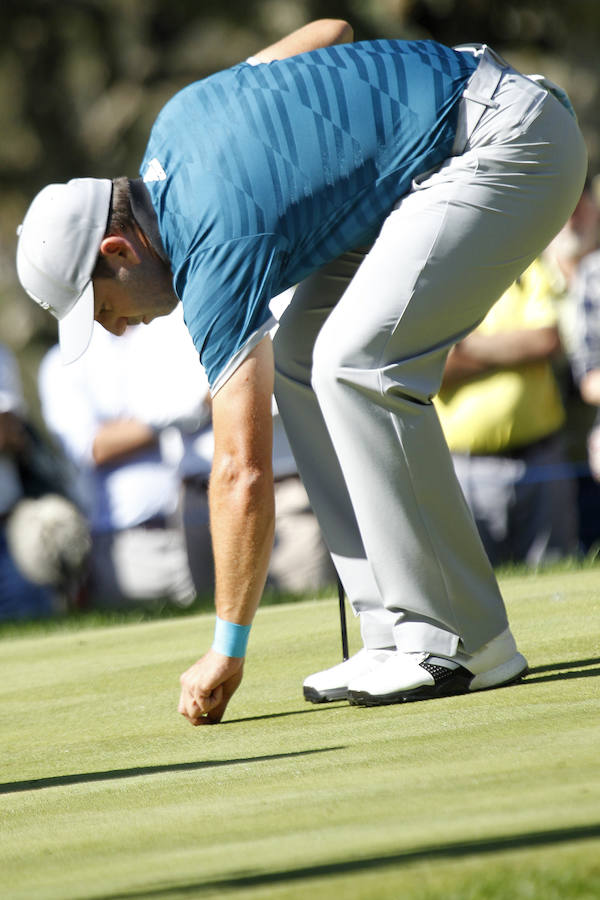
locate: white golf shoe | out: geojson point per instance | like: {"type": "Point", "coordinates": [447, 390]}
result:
{"type": "Point", "coordinates": [332, 684]}
{"type": "Point", "coordinates": [424, 676]}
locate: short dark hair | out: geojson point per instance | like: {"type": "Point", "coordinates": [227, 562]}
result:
{"type": "Point", "coordinates": [120, 216]}
{"type": "Point", "coordinates": [120, 219]}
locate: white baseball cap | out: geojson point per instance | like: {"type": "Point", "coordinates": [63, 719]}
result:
{"type": "Point", "coordinates": [58, 247]}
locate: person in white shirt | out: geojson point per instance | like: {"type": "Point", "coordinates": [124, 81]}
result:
{"type": "Point", "coordinates": [134, 416]}
{"type": "Point", "coordinates": [300, 560]}
{"type": "Point", "coordinates": [115, 412]}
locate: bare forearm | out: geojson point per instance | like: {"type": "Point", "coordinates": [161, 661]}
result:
{"type": "Point", "coordinates": [242, 525]}
{"type": "Point", "coordinates": [479, 353]}
{"type": "Point", "coordinates": [242, 516]}
{"type": "Point", "coordinates": [242, 513]}
{"type": "Point", "coordinates": [120, 438]}
{"type": "Point", "coordinates": [320, 33]}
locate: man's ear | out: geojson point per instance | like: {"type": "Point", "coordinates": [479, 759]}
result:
{"type": "Point", "coordinates": [119, 251]}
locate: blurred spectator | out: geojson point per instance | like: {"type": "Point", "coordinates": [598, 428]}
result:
{"type": "Point", "coordinates": [133, 414]}
{"type": "Point", "coordinates": [578, 237]}
{"type": "Point", "coordinates": [30, 586]}
{"type": "Point", "coordinates": [115, 411]}
{"type": "Point", "coordinates": [573, 269]}
{"type": "Point", "coordinates": [194, 458]}
{"type": "Point", "coordinates": [300, 560]}
{"type": "Point", "coordinates": [585, 352]}
{"type": "Point", "coordinates": [502, 414]}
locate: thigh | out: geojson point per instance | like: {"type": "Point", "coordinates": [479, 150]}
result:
{"type": "Point", "coordinates": [140, 565]}
{"type": "Point", "coordinates": [311, 304]}
{"type": "Point", "coordinates": [545, 516]}
{"type": "Point", "coordinates": [488, 483]}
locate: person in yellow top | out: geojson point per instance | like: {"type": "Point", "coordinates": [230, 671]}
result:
{"type": "Point", "coordinates": [502, 416]}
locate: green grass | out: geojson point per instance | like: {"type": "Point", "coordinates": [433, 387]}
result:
{"type": "Point", "coordinates": [107, 793]}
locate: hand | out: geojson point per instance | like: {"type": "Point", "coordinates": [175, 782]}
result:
{"type": "Point", "coordinates": [207, 687]}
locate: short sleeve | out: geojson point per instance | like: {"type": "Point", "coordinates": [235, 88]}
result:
{"type": "Point", "coordinates": [226, 291]}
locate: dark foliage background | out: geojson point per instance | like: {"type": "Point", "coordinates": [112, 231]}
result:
{"type": "Point", "coordinates": [82, 80]}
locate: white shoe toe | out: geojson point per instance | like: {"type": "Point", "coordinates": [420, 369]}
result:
{"type": "Point", "coordinates": [332, 684]}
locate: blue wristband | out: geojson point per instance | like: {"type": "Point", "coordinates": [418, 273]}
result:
{"type": "Point", "coordinates": [230, 639]}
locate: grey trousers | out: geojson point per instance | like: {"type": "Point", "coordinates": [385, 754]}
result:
{"type": "Point", "coordinates": [361, 349]}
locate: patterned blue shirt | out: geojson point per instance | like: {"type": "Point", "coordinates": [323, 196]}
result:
{"type": "Point", "coordinates": [261, 174]}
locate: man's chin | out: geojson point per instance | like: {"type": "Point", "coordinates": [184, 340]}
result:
{"type": "Point", "coordinates": [166, 310]}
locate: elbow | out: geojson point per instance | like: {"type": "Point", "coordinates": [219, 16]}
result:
{"type": "Point", "coordinates": [241, 476]}
{"type": "Point", "coordinates": [589, 387]}
{"type": "Point", "coordinates": [545, 344]}
{"type": "Point", "coordinates": [99, 455]}
{"type": "Point", "coordinates": [341, 31]}
{"type": "Point", "coordinates": [554, 345]}
{"type": "Point", "coordinates": [326, 32]}
{"type": "Point", "coordinates": [243, 490]}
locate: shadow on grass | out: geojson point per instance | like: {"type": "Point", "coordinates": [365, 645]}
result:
{"type": "Point", "coordinates": [86, 777]}
{"type": "Point", "coordinates": [559, 671]}
{"type": "Point", "coordinates": [456, 850]}
{"type": "Point", "coordinates": [326, 707]}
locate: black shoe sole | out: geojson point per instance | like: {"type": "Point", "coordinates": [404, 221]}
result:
{"type": "Point", "coordinates": [454, 681]}
{"type": "Point", "coordinates": [315, 696]}
{"type": "Point", "coordinates": [457, 684]}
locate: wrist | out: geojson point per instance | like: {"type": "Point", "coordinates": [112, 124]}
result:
{"type": "Point", "coordinates": [230, 639]}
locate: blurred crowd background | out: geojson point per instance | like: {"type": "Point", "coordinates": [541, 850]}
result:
{"type": "Point", "coordinates": [81, 82]}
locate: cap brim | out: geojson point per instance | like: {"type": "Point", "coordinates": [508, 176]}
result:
{"type": "Point", "coordinates": [75, 329]}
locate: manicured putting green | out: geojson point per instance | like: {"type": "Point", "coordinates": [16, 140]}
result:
{"type": "Point", "coordinates": [107, 793]}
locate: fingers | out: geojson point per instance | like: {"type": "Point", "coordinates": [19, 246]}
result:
{"type": "Point", "coordinates": [197, 706]}
{"type": "Point", "coordinates": [198, 712]}
{"type": "Point", "coordinates": [213, 717]}
{"type": "Point", "coordinates": [229, 688]}
{"type": "Point", "coordinates": [206, 688]}
{"type": "Point", "coordinates": [195, 716]}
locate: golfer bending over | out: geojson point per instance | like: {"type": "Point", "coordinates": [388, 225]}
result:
{"type": "Point", "coordinates": [403, 186]}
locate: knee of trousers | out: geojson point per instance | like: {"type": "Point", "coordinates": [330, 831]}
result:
{"type": "Point", "coordinates": [328, 364]}
{"type": "Point", "coordinates": [413, 380]}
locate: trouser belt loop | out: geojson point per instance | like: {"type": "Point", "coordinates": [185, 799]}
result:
{"type": "Point", "coordinates": [471, 95]}
{"type": "Point", "coordinates": [478, 94]}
